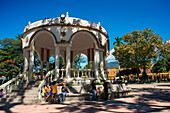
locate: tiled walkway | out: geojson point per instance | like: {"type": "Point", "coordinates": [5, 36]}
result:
{"type": "Point", "coordinates": [143, 98]}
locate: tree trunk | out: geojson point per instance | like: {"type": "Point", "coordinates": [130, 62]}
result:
{"type": "Point", "coordinates": [138, 73]}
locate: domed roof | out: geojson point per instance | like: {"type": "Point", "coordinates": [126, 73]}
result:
{"type": "Point", "coordinates": [68, 21]}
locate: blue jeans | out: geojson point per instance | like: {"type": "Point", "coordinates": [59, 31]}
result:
{"type": "Point", "coordinates": [94, 94]}
{"type": "Point", "coordinates": [59, 96]}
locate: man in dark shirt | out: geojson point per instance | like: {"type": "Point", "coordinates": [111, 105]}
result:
{"type": "Point", "coordinates": [64, 91]}
{"type": "Point", "coordinates": [105, 89]}
{"type": "Point", "coordinates": [93, 90]}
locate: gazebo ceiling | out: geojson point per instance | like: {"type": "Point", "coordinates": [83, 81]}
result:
{"type": "Point", "coordinates": [82, 42]}
{"type": "Point", "coordinates": [44, 40]}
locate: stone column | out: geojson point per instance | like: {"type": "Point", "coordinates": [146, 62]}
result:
{"type": "Point", "coordinates": [26, 59]}
{"type": "Point", "coordinates": [92, 58]}
{"type": "Point", "coordinates": [57, 62]}
{"type": "Point", "coordinates": [68, 66]}
{"type": "Point", "coordinates": [41, 70]}
{"type": "Point", "coordinates": [96, 63]}
{"type": "Point", "coordinates": [47, 66]}
{"type": "Point", "coordinates": [31, 65]}
{"type": "Point", "coordinates": [88, 56]}
{"type": "Point", "coordinates": [47, 59]}
{"type": "Point", "coordinates": [26, 65]}
{"type": "Point", "coordinates": [106, 66]}
{"type": "Point", "coordinates": [101, 64]}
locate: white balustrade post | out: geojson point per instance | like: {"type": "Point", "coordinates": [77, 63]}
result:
{"type": "Point", "coordinates": [57, 62]}
{"type": "Point", "coordinates": [89, 73]}
{"type": "Point", "coordinates": [101, 64]}
{"type": "Point", "coordinates": [96, 63]}
{"type": "Point", "coordinates": [78, 74]}
{"type": "Point", "coordinates": [62, 71]}
{"type": "Point", "coordinates": [74, 72]}
{"type": "Point", "coordinates": [31, 65]}
{"type": "Point", "coordinates": [68, 66]}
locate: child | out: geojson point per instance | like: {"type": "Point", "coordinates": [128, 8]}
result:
{"type": "Point", "coordinates": [1, 93]}
{"type": "Point", "coordinates": [46, 92]}
{"type": "Point", "coordinates": [98, 93]}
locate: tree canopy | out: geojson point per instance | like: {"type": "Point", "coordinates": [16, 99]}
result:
{"type": "Point", "coordinates": [138, 49]}
{"type": "Point", "coordinates": [77, 61]}
{"type": "Point", "coordinates": [161, 66]}
{"type": "Point", "coordinates": [11, 50]}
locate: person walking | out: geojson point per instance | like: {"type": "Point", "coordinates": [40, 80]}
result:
{"type": "Point", "coordinates": [94, 90]}
{"type": "Point", "coordinates": [64, 91]}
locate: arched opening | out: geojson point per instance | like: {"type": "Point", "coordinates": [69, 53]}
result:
{"type": "Point", "coordinates": [37, 65]}
{"type": "Point", "coordinates": [84, 42]}
{"type": "Point", "coordinates": [44, 45]}
{"type": "Point", "coordinates": [80, 61]}
{"type": "Point", "coordinates": [52, 62]}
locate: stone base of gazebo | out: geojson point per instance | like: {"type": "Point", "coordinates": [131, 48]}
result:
{"type": "Point", "coordinates": [82, 93]}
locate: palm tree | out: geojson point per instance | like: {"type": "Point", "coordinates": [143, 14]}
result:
{"type": "Point", "coordinates": [117, 43]}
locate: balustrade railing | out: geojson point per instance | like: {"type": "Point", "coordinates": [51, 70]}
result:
{"type": "Point", "coordinates": [14, 83]}
{"type": "Point", "coordinates": [82, 73]}
{"type": "Point", "coordinates": [62, 73]}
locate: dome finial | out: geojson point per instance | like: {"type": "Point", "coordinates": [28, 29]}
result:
{"type": "Point", "coordinates": [29, 23]}
{"type": "Point", "coordinates": [67, 15]}
{"type": "Point", "coordinates": [99, 23]}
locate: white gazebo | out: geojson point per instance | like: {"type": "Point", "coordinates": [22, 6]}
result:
{"type": "Point", "coordinates": [68, 37]}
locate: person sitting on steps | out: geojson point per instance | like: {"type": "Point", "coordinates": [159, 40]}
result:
{"type": "Point", "coordinates": [46, 92]}
{"type": "Point", "coordinates": [64, 92]}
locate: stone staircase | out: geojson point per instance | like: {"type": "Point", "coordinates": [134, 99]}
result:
{"type": "Point", "coordinates": [26, 94]}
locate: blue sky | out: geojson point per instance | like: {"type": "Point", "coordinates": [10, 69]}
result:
{"type": "Point", "coordinates": [118, 17]}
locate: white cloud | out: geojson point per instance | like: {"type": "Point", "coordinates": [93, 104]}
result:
{"type": "Point", "coordinates": [83, 55]}
{"type": "Point", "coordinates": [112, 51]}
{"type": "Point", "coordinates": [168, 41]}
{"type": "Point", "coordinates": [111, 57]}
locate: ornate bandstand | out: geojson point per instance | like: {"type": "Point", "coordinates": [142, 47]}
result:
{"type": "Point", "coordinates": [67, 37]}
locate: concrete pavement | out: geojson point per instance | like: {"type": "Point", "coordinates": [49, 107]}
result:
{"type": "Point", "coordinates": [144, 98]}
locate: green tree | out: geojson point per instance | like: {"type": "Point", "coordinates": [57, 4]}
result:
{"type": "Point", "coordinates": [161, 66]}
{"type": "Point", "coordinates": [36, 61]}
{"type": "Point", "coordinates": [167, 55]}
{"type": "Point", "coordinates": [62, 63]}
{"type": "Point", "coordinates": [77, 61]}
{"type": "Point", "coordinates": [9, 69]}
{"type": "Point", "coordinates": [11, 49]}
{"type": "Point", "coordinates": [139, 49]}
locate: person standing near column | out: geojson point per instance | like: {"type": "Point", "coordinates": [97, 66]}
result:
{"type": "Point", "coordinates": [105, 85]}
{"type": "Point", "coordinates": [94, 90]}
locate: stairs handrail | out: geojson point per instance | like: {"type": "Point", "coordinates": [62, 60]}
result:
{"type": "Point", "coordinates": [40, 87]}
{"type": "Point", "coordinates": [13, 80]}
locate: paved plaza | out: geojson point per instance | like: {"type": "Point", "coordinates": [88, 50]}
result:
{"type": "Point", "coordinates": [143, 98]}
